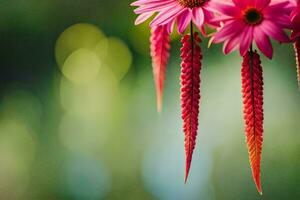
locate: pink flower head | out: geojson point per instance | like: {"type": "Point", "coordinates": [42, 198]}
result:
{"type": "Point", "coordinates": [295, 18]}
{"type": "Point", "coordinates": [245, 21]}
{"type": "Point", "coordinates": [170, 11]}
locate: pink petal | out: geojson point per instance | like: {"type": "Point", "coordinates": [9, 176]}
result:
{"type": "Point", "coordinates": [147, 2]}
{"type": "Point", "coordinates": [263, 42]}
{"type": "Point", "coordinates": [273, 10]}
{"type": "Point", "coordinates": [231, 44]}
{"type": "Point", "coordinates": [198, 17]}
{"type": "Point", "coordinates": [295, 13]}
{"type": "Point", "coordinates": [270, 28]}
{"type": "Point", "coordinates": [228, 30]}
{"type": "Point", "coordinates": [143, 17]}
{"type": "Point", "coordinates": [208, 18]}
{"type": "Point", "coordinates": [284, 21]}
{"type": "Point", "coordinates": [167, 15]}
{"type": "Point", "coordinates": [225, 8]}
{"type": "Point", "coordinates": [246, 40]}
{"type": "Point", "coordinates": [138, 3]}
{"type": "Point", "coordinates": [170, 27]}
{"type": "Point", "coordinates": [183, 20]}
{"type": "Point", "coordinates": [202, 30]}
{"type": "Point", "coordinates": [220, 19]}
{"type": "Point", "coordinates": [261, 4]}
{"type": "Point", "coordinates": [240, 4]}
{"type": "Point", "coordinates": [154, 6]}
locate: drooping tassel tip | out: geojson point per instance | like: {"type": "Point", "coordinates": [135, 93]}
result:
{"type": "Point", "coordinates": [258, 184]}
{"type": "Point", "coordinates": [159, 46]}
{"type": "Point", "coordinates": [252, 88]}
{"type": "Point", "coordinates": [190, 93]}
{"type": "Point", "coordinates": [187, 168]}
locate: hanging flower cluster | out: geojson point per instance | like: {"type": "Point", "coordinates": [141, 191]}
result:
{"type": "Point", "coordinates": [239, 24]}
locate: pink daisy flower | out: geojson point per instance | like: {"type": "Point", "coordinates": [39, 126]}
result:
{"type": "Point", "coordinates": [171, 11]}
{"type": "Point", "coordinates": [253, 20]}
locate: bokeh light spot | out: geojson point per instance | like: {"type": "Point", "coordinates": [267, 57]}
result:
{"type": "Point", "coordinates": [82, 66]}
{"type": "Point", "coordinates": [101, 49]}
{"type": "Point", "coordinates": [75, 37]}
{"type": "Point", "coordinates": [17, 152]}
{"type": "Point", "coordinates": [97, 97]}
{"type": "Point", "coordinates": [119, 57]}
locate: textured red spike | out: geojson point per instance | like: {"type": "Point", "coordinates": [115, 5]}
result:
{"type": "Point", "coordinates": [190, 93]}
{"type": "Point", "coordinates": [252, 89]}
{"type": "Point", "coordinates": [297, 51]}
{"type": "Point", "coordinates": [160, 46]}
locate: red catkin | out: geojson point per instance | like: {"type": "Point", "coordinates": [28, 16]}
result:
{"type": "Point", "coordinates": [190, 93]}
{"type": "Point", "coordinates": [252, 89]}
{"type": "Point", "coordinates": [159, 46]}
{"type": "Point", "coordinates": [297, 52]}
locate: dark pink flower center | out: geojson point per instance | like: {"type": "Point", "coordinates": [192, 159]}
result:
{"type": "Point", "coordinates": [192, 3]}
{"type": "Point", "coordinates": [253, 16]}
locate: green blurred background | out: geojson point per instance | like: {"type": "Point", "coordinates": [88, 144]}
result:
{"type": "Point", "coordinates": [78, 116]}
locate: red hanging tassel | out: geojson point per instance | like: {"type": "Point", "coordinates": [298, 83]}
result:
{"type": "Point", "coordinates": [160, 46]}
{"type": "Point", "coordinates": [190, 92]}
{"type": "Point", "coordinates": [252, 84]}
{"type": "Point", "coordinates": [297, 51]}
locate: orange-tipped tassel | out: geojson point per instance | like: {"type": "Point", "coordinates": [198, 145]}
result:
{"type": "Point", "coordinates": [252, 89]}
{"type": "Point", "coordinates": [190, 93]}
{"type": "Point", "coordinates": [297, 52]}
{"type": "Point", "coordinates": [160, 47]}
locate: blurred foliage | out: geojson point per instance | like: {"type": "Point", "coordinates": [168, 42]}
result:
{"type": "Point", "coordinates": [78, 118]}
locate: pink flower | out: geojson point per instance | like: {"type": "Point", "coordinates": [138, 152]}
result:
{"type": "Point", "coordinates": [169, 11]}
{"type": "Point", "coordinates": [245, 21]}
{"type": "Point", "coordinates": [295, 18]}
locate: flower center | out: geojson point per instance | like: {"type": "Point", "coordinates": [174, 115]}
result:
{"type": "Point", "coordinates": [253, 16]}
{"type": "Point", "coordinates": [192, 3]}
